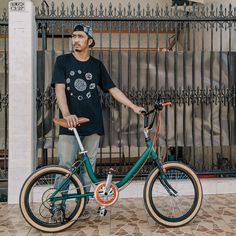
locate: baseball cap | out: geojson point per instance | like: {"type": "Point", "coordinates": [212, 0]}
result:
{"type": "Point", "coordinates": [87, 29]}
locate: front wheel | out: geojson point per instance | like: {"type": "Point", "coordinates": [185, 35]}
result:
{"type": "Point", "coordinates": [174, 208]}
{"type": "Point", "coordinates": [35, 203]}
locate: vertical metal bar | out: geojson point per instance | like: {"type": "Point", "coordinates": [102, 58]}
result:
{"type": "Point", "coordinates": [62, 38]}
{"type": "Point", "coordinates": [202, 101]}
{"type": "Point", "coordinates": [157, 55]}
{"type": "Point", "coordinates": [188, 35]}
{"type": "Point", "coordinates": [110, 103]}
{"type": "Point", "coordinates": [148, 59]}
{"type": "Point", "coordinates": [44, 35]}
{"type": "Point", "coordinates": [166, 83]}
{"type": "Point", "coordinates": [184, 88]}
{"type": "Point", "coordinates": [101, 169]}
{"type": "Point", "coordinates": [93, 27]}
{"type": "Point", "coordinates": [175, 89]}
{"type": "Point", "coordinates": [230, 85]}
{"type": "Point", "coordinates": [138, 82]}
{"type": "Point", "coordinates": [42, 93]}
{"type": "Point", "coordinates": [211, 102]}
{"type": "Point", "coordinates": [129, 88]}
{"type": "Point", "coordinates": [148, 63]}
{"type": "Point", "coordinates": [101, 42]}
{"type": "Point", "coordinates": [220, 89]}
{"type": "Point", "coordinates": [120, 107]}
{"type": "Point", "coordinates": [52, 104]}
{"type": "Point", "coordinates": [193, 102]}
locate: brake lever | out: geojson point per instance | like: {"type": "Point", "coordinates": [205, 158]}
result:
{"type": "Point", "coordinates": [158, 106]}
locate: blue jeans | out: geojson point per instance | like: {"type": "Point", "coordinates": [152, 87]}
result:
{"type": "Point", "coordinates": [68, 149]}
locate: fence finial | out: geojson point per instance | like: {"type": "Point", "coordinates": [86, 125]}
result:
{"type": "Point", "coordinates": [91, 11]}
{"type": "Point", "coordinates": [72, 11]}
{"type": "Point", "coordinates": [82, 10]}
{"type": "Point", "coordinates": [230, 12]}
{"type": "Point", "coordinates": [53, 10]}
{"type": "Point", "coordinates": [63, 11]}
{"type": "Point", "coordinates": [120, 10]}
{"type": "Point", "coordinates": [129, 12]}
{"type": "Point", "coordinates": [139, 10]}
{"type": "Point", "coordinates": [101, 10]}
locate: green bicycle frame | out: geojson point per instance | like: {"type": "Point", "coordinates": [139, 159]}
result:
{"type": "Point", "coordinates": [85, 161]}
{"type": "Point", "coordinates": [131, 172]}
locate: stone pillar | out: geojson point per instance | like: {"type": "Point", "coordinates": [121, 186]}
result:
{"type": "Point", "coordinates": [22, 95]}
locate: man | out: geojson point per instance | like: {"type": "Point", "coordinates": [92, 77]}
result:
{"type": "Point", "coordinates": [76, 77]}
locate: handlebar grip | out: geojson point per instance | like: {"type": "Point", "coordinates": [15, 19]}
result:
{"type": "Point", "coordinates": [166, 104]}
{"type": "Point", "coordinates": [145, 119]}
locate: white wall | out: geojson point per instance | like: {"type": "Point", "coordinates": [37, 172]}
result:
{"type": "Point", "coordinates": [22, 98]}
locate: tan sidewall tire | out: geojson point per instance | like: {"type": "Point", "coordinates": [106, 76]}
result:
{"type": "Point", "coordinates": [23, 192]}
{"type": "Point", "coordinates": [148, 203]}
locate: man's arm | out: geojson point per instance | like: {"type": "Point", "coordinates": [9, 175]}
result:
{"type": "Point", "coordinates": [72, 120]}
{"type": "Point", "coordinates": [120, 97]}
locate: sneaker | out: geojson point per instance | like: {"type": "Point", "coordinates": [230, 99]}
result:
{"type": "Point", "coordinates": [85, 215]}
{"type": "Point", "coordinates": [58, 215]}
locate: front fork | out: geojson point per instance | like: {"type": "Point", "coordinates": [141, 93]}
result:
{"type": "Point", "coordinates": [162, 177]}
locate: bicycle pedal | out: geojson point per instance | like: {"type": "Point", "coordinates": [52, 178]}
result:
{"type": "Point", "coordinates": [102, 211]}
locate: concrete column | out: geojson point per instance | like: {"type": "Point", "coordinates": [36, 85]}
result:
{"type": "Point", "coordinates": [22, 95]}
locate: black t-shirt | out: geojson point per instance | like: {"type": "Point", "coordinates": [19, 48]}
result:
{"type": "Point", "coordinates": [81, 81]}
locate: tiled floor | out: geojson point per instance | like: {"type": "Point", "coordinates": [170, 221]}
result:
{"type": "Point", "coordinates": [128, 217]}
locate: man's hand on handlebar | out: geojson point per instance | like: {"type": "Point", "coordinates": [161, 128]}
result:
{"type": "Point", "coordinates": [157, 108]}
{"type": "Point", "coordinates": [138, 110]}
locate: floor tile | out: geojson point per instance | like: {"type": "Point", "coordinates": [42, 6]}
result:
{"type": "Point", "coordinates": [129, 217]}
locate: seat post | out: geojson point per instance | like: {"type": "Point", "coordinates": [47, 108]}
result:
{"type": "Point", "coordinates": [78, 140]}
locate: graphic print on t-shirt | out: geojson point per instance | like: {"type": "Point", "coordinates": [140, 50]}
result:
{"type": "Point", "coordinates": [81, 84]}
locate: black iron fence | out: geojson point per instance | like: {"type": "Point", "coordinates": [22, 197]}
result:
{"type": "Point", "coordinates": [185, 54]}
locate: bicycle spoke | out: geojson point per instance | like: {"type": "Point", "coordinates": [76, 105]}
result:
{"type": "Point", "coordinates": [173, 207]}
{"type": "Point", "coordinates": [41, 190]}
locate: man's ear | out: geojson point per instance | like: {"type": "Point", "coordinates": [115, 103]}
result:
{"type": "Point", "coordinates": [90, 41]}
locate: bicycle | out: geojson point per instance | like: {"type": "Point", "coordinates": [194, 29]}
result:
{"type": "Point", "coordinates": [172, 193]}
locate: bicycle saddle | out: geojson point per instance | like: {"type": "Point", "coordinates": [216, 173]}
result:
{"type": "Point", "coordinates": [62, 122]}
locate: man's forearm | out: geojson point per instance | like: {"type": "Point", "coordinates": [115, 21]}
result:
{"type": "Point", "coordinates": [62, 101]}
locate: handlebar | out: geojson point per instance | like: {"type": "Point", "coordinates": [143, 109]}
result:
{"type": "Point", "coordinates": [166, 104]}
{"type": "Point", "coordinates": [157, 108]}
{"type": "Point", "coordinates": [145, 119]}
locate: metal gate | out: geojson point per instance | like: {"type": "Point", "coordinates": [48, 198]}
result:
{"type": "Point", "coordinates": [186, 55]}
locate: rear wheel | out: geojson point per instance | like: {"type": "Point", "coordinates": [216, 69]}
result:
{"type": "Point", "coordinates": [35, 203]}
{"type": "Point", "coordinates": [176, 209]}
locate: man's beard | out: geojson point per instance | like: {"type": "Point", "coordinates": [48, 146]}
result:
{"type": "Point", "coordinates": [75, 48]}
